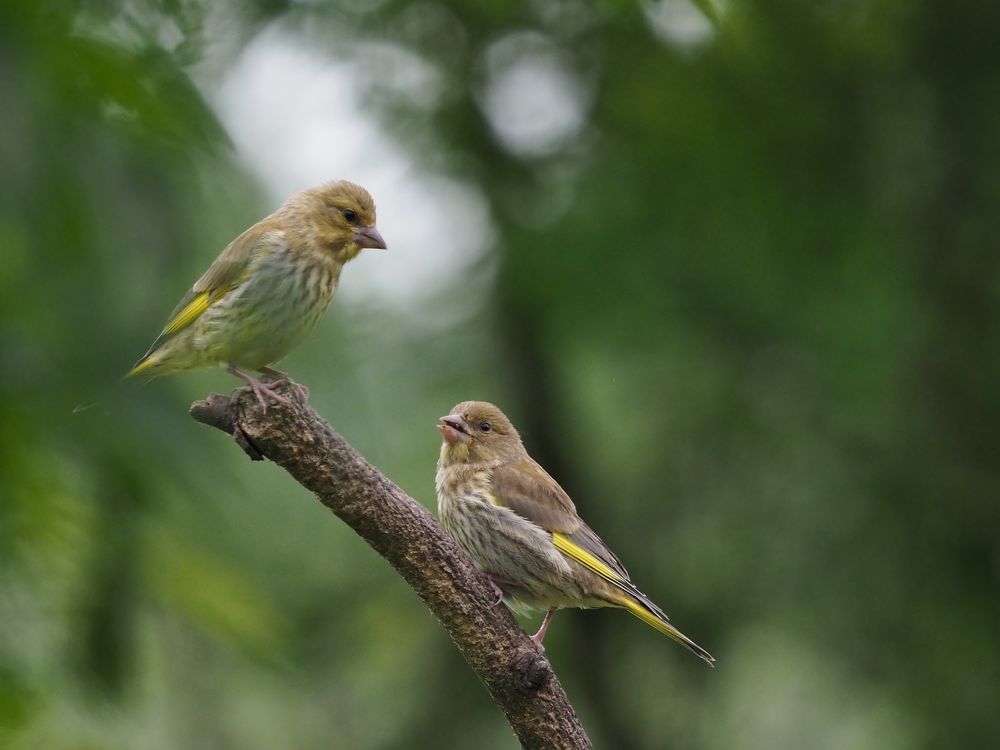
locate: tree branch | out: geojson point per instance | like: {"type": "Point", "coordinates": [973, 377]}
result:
{"type": "Point", "coordinates": [518, 677]}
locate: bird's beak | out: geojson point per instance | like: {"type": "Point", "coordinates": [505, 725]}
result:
{"type": "Point", "coordinates": [369, 237]}
{"type": "Point", "coordinates": [454, 429]}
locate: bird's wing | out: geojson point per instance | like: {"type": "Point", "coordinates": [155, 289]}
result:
{"type": "Point", "coordinates": [221, 278]}
{"type": "Point", "coordinates": [528, 490]}
{"type": "Point", "coordinates": [589, 550]}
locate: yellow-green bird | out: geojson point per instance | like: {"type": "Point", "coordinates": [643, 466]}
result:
{"type": "Point", "coordinates": [268, 288]}
{"type": "Point", "coordinates": [523, 530]}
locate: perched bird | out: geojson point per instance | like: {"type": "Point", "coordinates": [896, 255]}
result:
{"type": "Point", "coordinates": [267, 289]}
{"type": "Point", "coordinates": [522, 529]}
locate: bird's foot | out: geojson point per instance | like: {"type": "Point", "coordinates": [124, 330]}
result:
{"type": "Point", "coordinates": [497, 591]}
{"type": "Point", "coordinates": [277, 377]}
{"type": "Point", "coordinates": [262, 391]}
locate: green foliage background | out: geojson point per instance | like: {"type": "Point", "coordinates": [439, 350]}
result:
{"type": "Point", "coordinates": [748, 318]}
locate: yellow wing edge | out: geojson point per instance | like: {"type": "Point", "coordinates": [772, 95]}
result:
{"type": "Point", "coordinates": [188, 315]}
{"type": "Point", "coordinates": [586, 559]}
{"type": "Point", "coordinates": [191, 312]}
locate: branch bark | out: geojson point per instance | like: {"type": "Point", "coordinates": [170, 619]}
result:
{"type": "Point", "coordinates": [401, 530]}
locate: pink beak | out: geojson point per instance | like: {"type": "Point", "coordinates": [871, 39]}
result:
{"type": "Point", "coordinates": [369, 237]}
{"type": "Point", "coordinates": [453, 429]}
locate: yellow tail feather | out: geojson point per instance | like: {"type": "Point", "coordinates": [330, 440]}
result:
{"type": "Point", "coordinates": [637, 609]}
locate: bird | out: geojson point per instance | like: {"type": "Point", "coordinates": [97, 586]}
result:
{"type": "Point", "coordinates": [267, 289]}
{"type": "Point", "coordinates": [522, 529]}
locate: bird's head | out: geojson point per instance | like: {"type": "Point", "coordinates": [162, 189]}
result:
{"type": "Point", "coordinates": [341, 216]}
{"type": "Point", "coordinates": [478, 432]}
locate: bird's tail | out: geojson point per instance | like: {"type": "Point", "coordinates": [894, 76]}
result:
{"type": "Point", "coordinates": [148, 365]}
{"type": "Point", "coordinates": [653, 616]}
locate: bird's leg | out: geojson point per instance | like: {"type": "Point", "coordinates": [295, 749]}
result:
{"type": "Point", "coordinates": [537, 637]}
{"type": "Point", "coordinates": [259, 388]}
{"type": "Point", "coordinates": [277, 376]}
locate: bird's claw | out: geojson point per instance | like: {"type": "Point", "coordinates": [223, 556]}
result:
{"type": "Point", "coordinates": [497, 591]}
{"type": "Point", "coordinates": [261, 389]}
{"type": "Point", "coordinates": [277, 377]}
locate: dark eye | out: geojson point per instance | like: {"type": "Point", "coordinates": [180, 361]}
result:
{"type": "Point", "coordinates": [485, 426]}
{"type": "Point", "coordinates": [350, 215]}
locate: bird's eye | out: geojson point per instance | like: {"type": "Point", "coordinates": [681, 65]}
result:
{"type": "Point", "coordinates": [350, 215]}
{"type": "Point", "coordinates": [485, 426]}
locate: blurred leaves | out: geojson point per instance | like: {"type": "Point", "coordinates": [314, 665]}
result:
{"type": "Point", "coordinates": [214, 596]}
